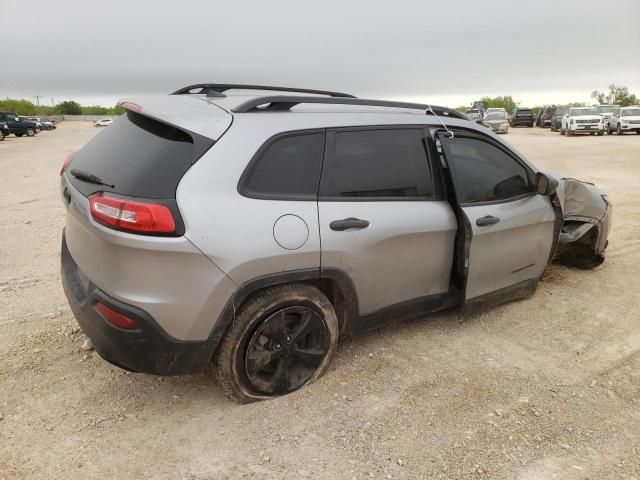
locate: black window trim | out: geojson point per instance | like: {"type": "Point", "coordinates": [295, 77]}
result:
{"type": "Point", "coordinates": [245, 191]}
{"type": "Point", "coordinates": [330, 136]}
{"type": "Point", "coordinates": [479, 136]}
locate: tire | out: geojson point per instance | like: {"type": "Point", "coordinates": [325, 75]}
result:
{"type": "Point", "coordinates": [1, 135]}
{"type": "Point", "coordinates": [29, 131]}
{"type": "Point", "coordinates": [619, 130]}
{"type": "Point", "coordinates": [569, 132]}
{"type": "Point", "coordinates": [600, 133]}
{"type": "Point", "coordinates": [265, 329]}
{"type": "Point", "coordinates": [609, 131]}
{"type": "Point", "coordinates": [19, 134]}
{"type": "Point", "coordinates": [38, 130]}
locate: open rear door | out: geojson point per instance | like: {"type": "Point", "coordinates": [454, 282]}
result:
{"type": "Point", "coordinates": [508, 229]}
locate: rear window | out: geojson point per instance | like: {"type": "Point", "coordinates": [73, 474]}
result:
{"type": "Point", "coordinates": [524, 113]}
{"type": "Point", "coordinates": [286, 168]}
{"type": "Point", "coordinates": [139, 156]}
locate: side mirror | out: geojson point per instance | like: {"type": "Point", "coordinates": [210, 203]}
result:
{"type": "Point", "coordinates": [545, 185]}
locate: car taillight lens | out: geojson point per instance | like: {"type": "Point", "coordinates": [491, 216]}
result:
{"type": "Point", "coordinates": [115, 318]}
{"type": "Point", "coordinates": [132, 216]}
{"type": "Point", "coordinates": [66, 163]}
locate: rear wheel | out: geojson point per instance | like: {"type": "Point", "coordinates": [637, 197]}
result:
{"type": "Point", "coordinates": [1, 135]}
{"type": "Point", "coordinates": [30, 131]}
{"type": "Point", "coordinates": [19, 134]}
{"type": "Point", "coordinates": [281, 340]}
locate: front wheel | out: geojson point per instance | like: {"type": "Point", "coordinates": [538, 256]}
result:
{"type": "Point", "coordinates": [619, 130]}
{"type": "Point", "coordinates": [19, 134]}
{"type": "Point", "coordinates": [30, 132]}
{"type": "Point", "coordinates": [569, 132]}
{"type": "Point", "coordinates": [281, 340]}
{"type": "Point", "coordinates": [1, 135]}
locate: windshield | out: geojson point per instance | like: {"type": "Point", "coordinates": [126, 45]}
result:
{"type": "Point", "coordinates": [607, 108]}
{"type": "Point", "coordinates": [496, 116]}
{"type": "Point", "coordinates": [584, 111]}
{"type": "Point", "coordinates": [632, 112]}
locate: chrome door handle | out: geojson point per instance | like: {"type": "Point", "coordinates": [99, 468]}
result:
{"type": "Point", "coordinates": [486, 221]}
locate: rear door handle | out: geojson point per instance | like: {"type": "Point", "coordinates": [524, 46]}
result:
{"type": "Point", "coordinates": [348, 224]}
{"type": "Point", "coordinates": [488, 220]}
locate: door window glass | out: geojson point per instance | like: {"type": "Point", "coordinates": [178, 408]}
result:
{"type": "Point", "coordinates": [380, 164]}
{"type": "Point", "coordinates": [484, 173]}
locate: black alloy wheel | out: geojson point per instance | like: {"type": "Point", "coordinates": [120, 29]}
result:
{"type": "Point", "coordinates": [285, 350]}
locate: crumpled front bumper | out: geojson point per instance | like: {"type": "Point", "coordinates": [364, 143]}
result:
{"type": "Point", "coordinates": [587, 213]}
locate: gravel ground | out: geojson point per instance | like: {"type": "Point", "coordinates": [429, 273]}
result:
{"type": "Point", "coordinates": [547, 387]}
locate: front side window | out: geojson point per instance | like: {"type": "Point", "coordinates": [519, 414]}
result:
{"type": "Point", "coordinates": [288, 167]}
{"type": "Point", "coordinates": [378, 164]}
{"type": "Point", "coordinates": [483, 172]}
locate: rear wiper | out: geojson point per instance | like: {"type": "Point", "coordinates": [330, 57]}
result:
{"type": "Point", "coordinates": [89, 178]}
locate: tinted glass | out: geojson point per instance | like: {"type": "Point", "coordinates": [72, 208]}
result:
{"type": "Point", "coordinates": [631, 112]}
{"type": "Point", "coordinates": [140, 156]}
{"type": "Point", "coordinates": [583, 111]}
{"type": "Point", "coordinates": [524, 113]}
{"type": "Point", "coordinates": [483, 172]}
{"type": "Point", "coordinates": [289, 166]}
{"type": "Point", "coordinates": [377, 164]}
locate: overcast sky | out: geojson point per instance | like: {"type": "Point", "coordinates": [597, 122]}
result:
{"type": "Point", "coordinates": [446, 52]}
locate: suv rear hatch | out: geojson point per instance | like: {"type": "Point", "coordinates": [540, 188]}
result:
{"type": "Point", "coordinates": [136, 164]}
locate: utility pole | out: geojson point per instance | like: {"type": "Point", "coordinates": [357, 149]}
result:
{"type": "Point", "coordinates": [38, 99]}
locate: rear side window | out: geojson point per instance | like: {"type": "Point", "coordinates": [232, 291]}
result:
{"type": "Point", "coordinates": [483, 172]}
{"type": "Point", "coordinates": [286, 168]}
{"type": "Point", "coordinates": [377, 164]}
{"type": "Point", "coordinates": [139, 156]}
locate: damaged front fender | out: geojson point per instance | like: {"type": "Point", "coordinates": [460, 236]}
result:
{"type": "Point", "coordinates": [586, 212]}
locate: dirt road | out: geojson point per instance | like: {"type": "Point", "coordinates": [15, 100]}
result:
{"type": "Point", "coordinates": [543, 388]}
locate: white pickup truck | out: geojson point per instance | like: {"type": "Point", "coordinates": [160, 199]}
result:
{"type": "Point", "coordinates": [582, 120]}
{"type": "Point", "coordinates": [625, 119]}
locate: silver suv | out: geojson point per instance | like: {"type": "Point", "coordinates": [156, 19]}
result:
{"type": "Point", "coordinates": [247, 228]}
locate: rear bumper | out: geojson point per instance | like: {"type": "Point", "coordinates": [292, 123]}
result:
{"type": "Point", "coordinates": [148, 349]}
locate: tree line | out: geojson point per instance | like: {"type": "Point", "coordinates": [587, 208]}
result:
{"type": "Point", "coordinates": [69, 107]}
{"type": "Point", "coordinates": [616, 95]}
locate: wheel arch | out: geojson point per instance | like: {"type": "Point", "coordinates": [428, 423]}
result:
{"type": "Point", "coordinates": [334, 283]}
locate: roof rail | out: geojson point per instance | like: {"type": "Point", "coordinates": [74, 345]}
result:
{"type": "Point", "coordinates": [282, 102]}
{"type": "Point", "coordinates": [218, 89]}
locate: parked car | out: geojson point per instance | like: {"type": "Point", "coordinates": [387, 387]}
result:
{"type": "Point", "coordinates": [497, 121]}
{"type": "Point", "coordinates": [474, 114]}
{"type": "Point", "coordinates": [522, 117]}
{"type": "Point", "coordinates": [582, 120]}
{"type": "Point", "coordinates": [556, 119]}
{"type": "Point", "coordinates": [105, 122]}
{"type": "Point", "coordinates": [625, 119]}
{"type": "Point", "coordinates": [4, 130]}
{"type": "Point", "coordinates": [218, 236]}
{"type": "Point", "coordinates": [44, 123]}
{"type": "Point", "coordinates": [606, 111]}
{"type": "Point", "coordinates": [543, 119]}
{"type": "Point", "coordinates": [19, 126]}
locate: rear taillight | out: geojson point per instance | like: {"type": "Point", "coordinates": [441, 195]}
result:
{"type": "Point", "coordinates": [115, 318]}
{"type": "Point", "coordinates": [66, 163]}
{"type": "Point", "coordinates": [132, 215]}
